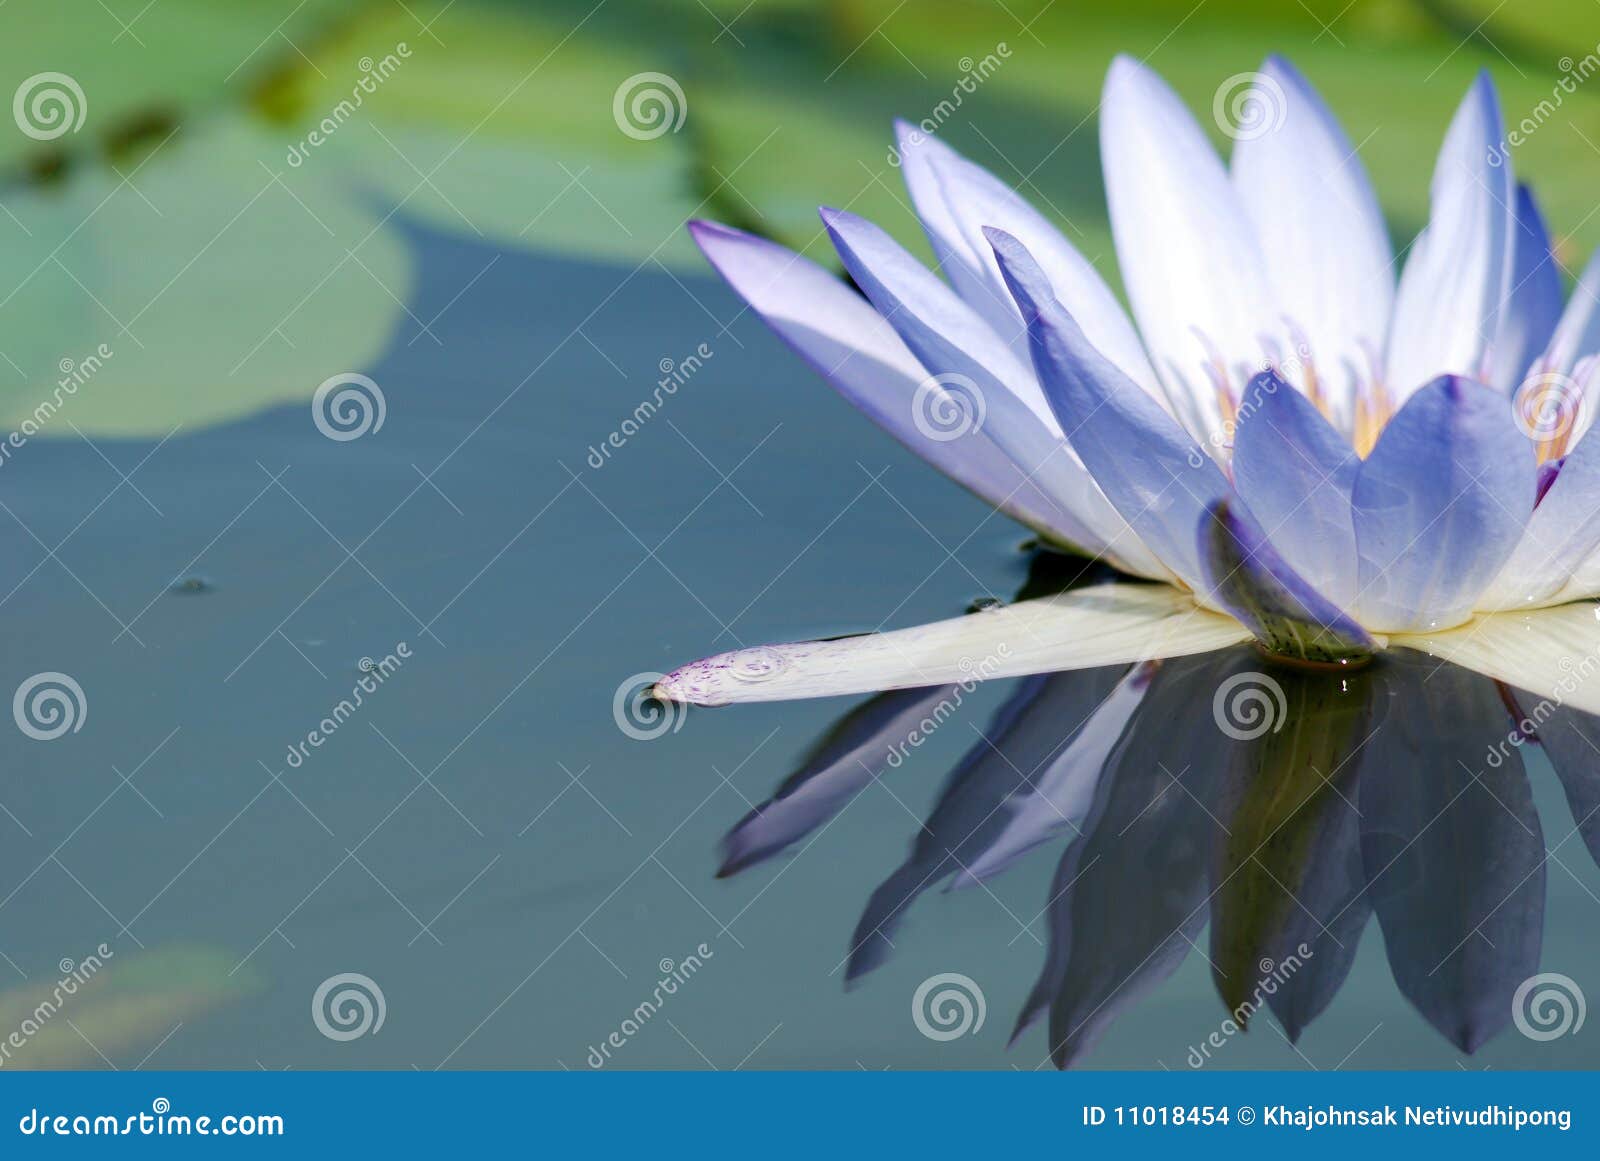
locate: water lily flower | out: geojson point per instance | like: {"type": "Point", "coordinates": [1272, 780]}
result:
{"type": "Point", "coordinates": [1298, 448]}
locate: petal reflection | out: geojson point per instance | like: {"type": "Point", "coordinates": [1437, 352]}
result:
{"type": "Point", "coordinates": [993, 780]}
{"type": "Point", "coordinates": [1453, 849]}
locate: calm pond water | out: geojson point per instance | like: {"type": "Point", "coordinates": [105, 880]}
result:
{"type": "Point", "coordinates": [516, 874]}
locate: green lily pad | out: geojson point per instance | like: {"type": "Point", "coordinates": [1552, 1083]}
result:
{"type": "Point", "coordinates": [194, 286]}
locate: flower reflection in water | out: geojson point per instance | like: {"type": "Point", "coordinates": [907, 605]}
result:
{"type": "Point", "coordinates": [1280, 808]}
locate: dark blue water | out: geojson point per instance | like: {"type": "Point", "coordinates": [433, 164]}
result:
{"type": "Point", "coordinates": [478, 837]}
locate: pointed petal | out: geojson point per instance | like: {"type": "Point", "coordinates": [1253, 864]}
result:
{"type": "Point", "coordinates": [1113, 624]}
{"type": "Point", "coordinates": [1146, 464]}
{"type": "Point", "coordinates": [1296, 474]}
{"type": "Point", "coordinates": [1439, 505]}
{"type": "Point", "coordinates": [964, 354]}
{"type": "Point", "coordinates": [959, 260]}
{"type": "Point", "coordinates": [1251, 581]}
{"type": "Point", "coordinates": [975, 198]}
{"type": "Point", "coordinates": [992, 777]}
{"type": "Point", "coordinates": [1149, 839]}
{"type": "Point", "coordinates": [1458, 274]}
{"type": "Point", "coordinates": [1188, 253]}
{"type": "Point", "coordinates": [1552, 653]}
{"type": "Point", "coordinates": [1314, 211]}
{"type": "Point", "coordinates": [1560, 538]}
{"type": "Point", "coordinates": [851, 346]}
{"type": "Point", "coordinates": [945, 334]}
{"type": "Point", "coordinates": [1533, 305]}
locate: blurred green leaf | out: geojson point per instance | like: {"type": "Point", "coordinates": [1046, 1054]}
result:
{"type": "Point", "coordinates": [119, 1006]}
{"type": "Point", "coordinates": [215, 284]}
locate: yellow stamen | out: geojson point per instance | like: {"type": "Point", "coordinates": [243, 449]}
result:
{"type": "Point", "coordinates": [1374, 408]}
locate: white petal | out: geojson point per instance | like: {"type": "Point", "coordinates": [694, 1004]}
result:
{"type": "Point", "coordinates": [1112, 624]}
{"type": "Point", "coordinates": [1320, 229]}
{"type": "Point", "coordinates": [1458, 274]}
{"type": "Point", "coordinates": [1552, 653]}
{"type": "Point", "coordinates": [1189, 255]}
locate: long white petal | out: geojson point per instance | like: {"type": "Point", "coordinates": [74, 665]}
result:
{"type": "Point", "coordinates": [1552, 653]}
{"type": "Point", "coordinates": [1111, 624]}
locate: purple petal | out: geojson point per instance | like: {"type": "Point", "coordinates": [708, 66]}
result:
{"type": "Point", "coordinates": [1296, 474]}
{"type": "Point", "coordinates": [851, 346]}
{"type": "Point", "coordinates": [963, 352]}
{"type": "Point", "coordinates": [1439, 505]}
{"type": "Point", "coordinates": [1250, 580]}
{"type": "Point", "coordinates": [1563, 531]}
{"type": "Point", "coordinates": [1147, 466]}
{"type": "Point", "coordinates": [953, 250]}
{"type": "Point", "coordinates": [974, 198]}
